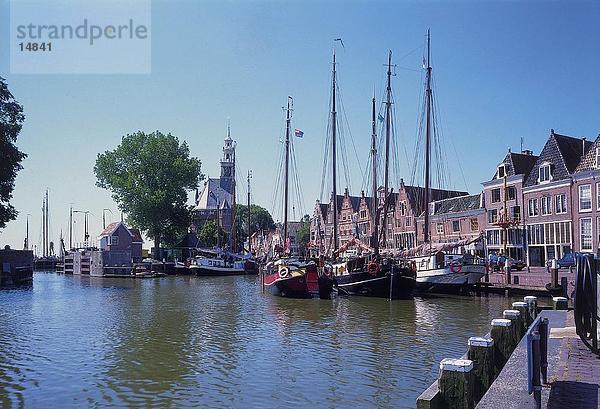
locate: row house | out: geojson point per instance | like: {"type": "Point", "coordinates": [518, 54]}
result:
{"type": "Point", "coordinates": [459, 218]}
{"type": "Point", "coordinates": [547, 195]}
{"type": "Point", "coordinates": [503, 198]}
{"type": "Point", "coordinates": [585, 207]}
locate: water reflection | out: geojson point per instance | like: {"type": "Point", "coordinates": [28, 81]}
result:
{"type": "Point", "coordinates": [219, 342]}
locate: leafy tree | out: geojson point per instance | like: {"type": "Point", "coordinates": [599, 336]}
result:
{"type": "Point", "coordinates": [211, 235]}
{"type": "Point", "coordinates": [149, 176]}
{"type": "Point", "coordinates": [260, 218]}
{"type": "Point", "coordinates": [303, 235]}
{"type": "Point", "coordinates": [11, 122]}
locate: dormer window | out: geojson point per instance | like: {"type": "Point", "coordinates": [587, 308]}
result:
{"type": "Point", "coordinates": [598, 158]}
{"type": "Point", "coordinates": [545, 174]}
{"type": "Point", "coordinates": [501, 171]}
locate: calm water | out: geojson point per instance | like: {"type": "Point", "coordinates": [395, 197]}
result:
{"type": "Point", "coordinates": [185, 341]}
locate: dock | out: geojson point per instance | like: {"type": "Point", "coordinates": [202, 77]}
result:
{"type": "Point", "coordinates": [499, 369]}
{"type": "Point", "coordinates": [573, 372]}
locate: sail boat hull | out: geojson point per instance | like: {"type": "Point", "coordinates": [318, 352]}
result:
{"type": "Point", "coordinates": [397, 284]}
{"type": "Point", "coordinates": [300, 283]}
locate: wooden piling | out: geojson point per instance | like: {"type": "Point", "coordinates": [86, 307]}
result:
{"type": "Point", "coordinates": [522, 307]}
{"type": "Point", "coordinates": [481, 352]}
{"type": "Point", "coordinates": [517, 325]}
{"type": "Point", "coordinates": [532, 306]}
{"type": "Point", "coordinates": [456, 383]}
{"type": "Point", "coordinates": [560, 303]}
{"type": "Point", "coordinates": [503, 343]}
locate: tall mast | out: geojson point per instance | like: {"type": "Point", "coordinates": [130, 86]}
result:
{"type": "Point", "coordinates": [287, 171]}
{"type": "Point", "coordinates": [249, 225]}
{"type": "Point", "coordinates": [334, 158]}
{"type": "Point", "coordinates": [70, 227]}
{"type": "Point", "coordinates": [375, 239]}
{"type": "Point", "coordinates": [44, 227]}
{"type": "Point", "coordinates": [388, 122]}
{"type": "Point", "coordinates": [27, 234]}
{"type": "Point", "coordinates": [427, 142]}
{"type": "Point", "coordinates": [47, 248]}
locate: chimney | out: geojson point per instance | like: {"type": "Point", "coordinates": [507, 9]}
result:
{"type": "Point", "coordinates": [583, 146]}
{"type": "Point", "coordinates": [552, 132]}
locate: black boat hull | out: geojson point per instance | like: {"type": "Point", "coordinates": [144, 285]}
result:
{"type": "Point", "coordinates": [391, 284]}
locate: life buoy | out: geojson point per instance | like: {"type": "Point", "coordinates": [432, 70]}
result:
{"type": "Point", "coordinates": [283, 272]}
{"type": "Point", "coordinates": [373, 268]}
{"type": "Point", "coordinates": [455, 267]}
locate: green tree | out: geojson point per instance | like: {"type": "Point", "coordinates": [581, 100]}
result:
{"type": "Point", "coordinates": [11, 122]}
{"type": "Point", "coordinates": [260, 219]}
{"type": "Point", "coordinates": [211, 235]}
{"type": "Point", "coordinates": [149, 176]}
{"type": "Point", "coordinates": [303, 235]}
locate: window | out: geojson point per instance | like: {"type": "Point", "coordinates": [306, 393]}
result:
{"type": "Point", "coordinates": [597, 196]}
{"type": "Point", "coordinates": [114, 240]}
{"type": "Point", "coordinates": [560, 204]}
{"type": "Point", "coordinates": [408, 221]}
{"type": "Point", "coordinates": [545, 175]}
{"type": "Point", "coordinates": [440, 228]}
{"type": "Point", "coordinates": [546, 205]}
{"type": "Point", "coordinates": [456, 226]}
{"type": "Point", "coordinates": [533, 207]}
{"type": "Point", "coordinates": [402, 208]}
{"type": "Point", "coordinates": [501, 171]}
{"type": "Point", "coordinates": [511, 193]}
{"type": "Point", "coordinates": [474, 224]}
{"type": "Point", "coordinates": [585, 198]}
{"type": "Point", "coordinates": [495, 195]}
{"type": "Point", "coordinates": [586, 233]}
{"type": "Point", "coordinates": [515, 213]}
{"type": "Point", "coordinates": [493, 216]}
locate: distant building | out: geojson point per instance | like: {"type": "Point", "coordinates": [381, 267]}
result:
{"type": "Point", "coordinates": [215, 202]}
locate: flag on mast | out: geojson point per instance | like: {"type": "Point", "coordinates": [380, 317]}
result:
{"type": "Point", "coordinates": [298, 133]}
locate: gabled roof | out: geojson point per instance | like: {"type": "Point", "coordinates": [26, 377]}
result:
{"type": "Point", "coordinates": [416, 194]}
{"type": "Point", "coordinates": [111, 228]}
{"type": "Point", "coordinates": [213, 194]}
{"type": "Point", "coordinates": [457, 204]}
{"type": "Point", "coordinates": [589, 160]}
{"type": "Point", "coordinates": [137, 236]}
{"type": "Point", "coordinates": [518, 164]}
{"type": "Point", "coordinates": [564, 154]}
{"type": "Point", "coordinates": [323, 208]}
{"type": "Point", "coordinates": [189, 241]}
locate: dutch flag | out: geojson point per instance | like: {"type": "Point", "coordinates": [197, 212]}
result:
{"type": "Point", "coordinates": [298, 133]}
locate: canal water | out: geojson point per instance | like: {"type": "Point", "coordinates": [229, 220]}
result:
{"type": "Point", "coordinates": [72, 341]}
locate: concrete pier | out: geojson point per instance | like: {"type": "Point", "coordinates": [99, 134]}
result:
{"type": "Point", "coordinates": [573, 372]}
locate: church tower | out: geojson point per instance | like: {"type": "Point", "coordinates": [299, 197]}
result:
{"type": "Point", "coordinates": [228, 163]}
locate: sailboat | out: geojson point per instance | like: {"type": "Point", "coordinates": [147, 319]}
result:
{"type": "Point", "coordinates": [371, 274]}
{"type": "Point", "coordinates": [48, 260]}
{"type": "Point", "coordinates": [289, 276]}
{"type": "Point", "coordinates": [438, 267]}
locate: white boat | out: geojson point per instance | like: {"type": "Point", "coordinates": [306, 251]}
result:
{"type": "Point", "coordinates": [208, 266]}
{"type": "Point", "coordinates": [447, 273]}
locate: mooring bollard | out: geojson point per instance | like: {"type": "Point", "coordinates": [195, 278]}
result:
{"type": "Point", "coordinates": [521, 306]}
{"type": "Point", "coordinates": [560, 303]}
{"type": "Point", "coordinates": [456, 384]}
{"type": "Point", "coordinates": [532, 305]}
{"type": "Point", "coordinates": [481, 352]}
{"type": "Point", "coordinates": [517, 324]}
{"type": "Point", "coordinates": [503, 339]}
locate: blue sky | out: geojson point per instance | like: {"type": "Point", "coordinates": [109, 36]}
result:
{"type": "Point", "coordinates": [504, 70]}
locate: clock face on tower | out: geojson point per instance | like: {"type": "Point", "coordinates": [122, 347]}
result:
{"type": "Point", "coordinates": [227, 172]}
